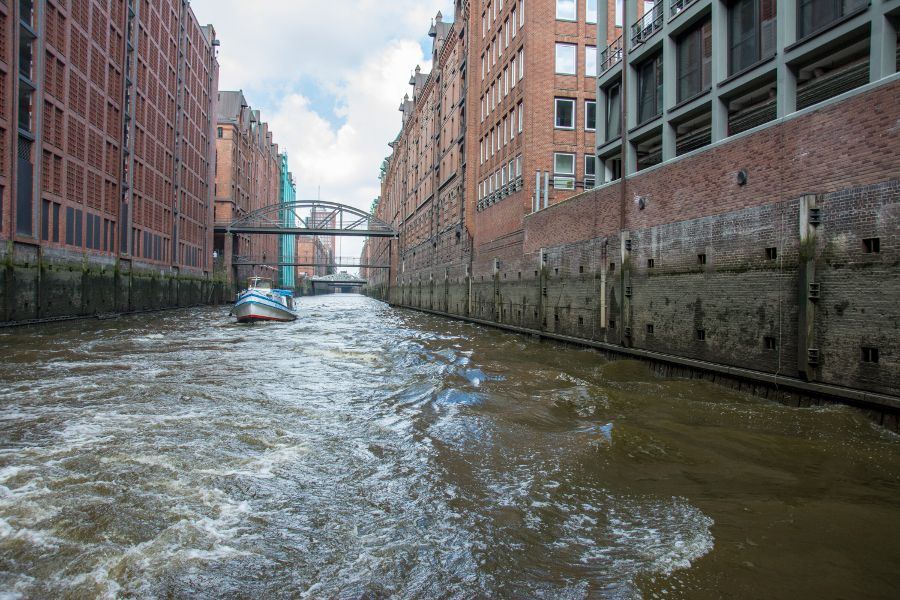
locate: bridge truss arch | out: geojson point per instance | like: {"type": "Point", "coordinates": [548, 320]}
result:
{"type": "Point", "coordinates": [310, 217]}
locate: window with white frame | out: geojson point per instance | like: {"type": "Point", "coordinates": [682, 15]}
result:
{"type": "Point", "coordinates": [505, 131]}
{"type": "Point", "coordinates": [590, 9]}
{"type": "Point", "coordinates": [482, 109]}
{"type": "Point", "coordinates": [506, 32]}
{"type": "Point", "coordinates": [483, 26]}
{"type": "Point", "coordinates": [590, 115]}
{"type": "Point", "coordinates": [590, 171]}
{"type": "Point", "coordinates": [514, 21]}
{"type": "Point", "coordinates": [590, 61]}
{"type": "Point", "coordinates": [521, 63]}
{"type": "Point", "coordinates": [566, 58]}
{"type": "Point", "coordinates": [563, 171]}
{"type": "Point", "coordinates": [564, 113]}
{"type": "Point", "coordinates": [483, 66]}
{"type": "Point", "coordinates": [522, 13]}
{"type": "Point", "coordinates": [503, 176]}
{"type": "Point", "coordinates": [521, 116]}
{"type": "Point", "coordinates": [512, 68]}
{"type": "Point", "coordinates": [519, 166]}
{"type": "Point", "coordinates": [566, 10]}
{"type": "Point", "coordinates": [511, 173]}
{"type": "Point", "coordinates": [620, 12]}
{"type": "Point", "coordinates": [512, 124]}
{"type": "Point", "coordinates": [506, 81]}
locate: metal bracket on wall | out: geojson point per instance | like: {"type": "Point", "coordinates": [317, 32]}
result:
{"type": "Point", "coordinates": [812, 356]}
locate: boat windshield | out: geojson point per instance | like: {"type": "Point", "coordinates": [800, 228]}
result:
{"type": "Point", "coordinates": [259, 283]}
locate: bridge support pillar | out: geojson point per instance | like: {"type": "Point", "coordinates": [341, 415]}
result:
{"type": "Point", "coordinates": [228, 259]}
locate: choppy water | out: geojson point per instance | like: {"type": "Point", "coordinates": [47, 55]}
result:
{"type": "Point", "coordinates": [366, 452]}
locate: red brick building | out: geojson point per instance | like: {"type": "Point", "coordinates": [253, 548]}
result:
{"type": "Point", "coordinates": [247, 178]}
{"type": "Point", "coordinates": [510, 95]}
{"type": "Point", "coordinates": [106, 133]}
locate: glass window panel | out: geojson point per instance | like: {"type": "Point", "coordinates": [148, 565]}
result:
{"type": "Point", "coordinates": [590, 61]}
{"type": "Point", "coordinates": [564, 163]}
{"type": "Point", "coordinates": [565, 58]}
{"type": "Point", "coordinates": [566, 10]}
{"type": "Point", "coordinates": [613, 113]}
{"type": "Point", "coordinates": [565, 113]}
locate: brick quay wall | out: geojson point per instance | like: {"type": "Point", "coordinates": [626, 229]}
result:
{"type": "Point", "coordinates": [38, 285]}
{"type": "Point", "coordinates": [786, 284]}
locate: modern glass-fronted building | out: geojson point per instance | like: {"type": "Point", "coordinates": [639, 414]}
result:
{"type": "Point", "coordinates": [286, 246]}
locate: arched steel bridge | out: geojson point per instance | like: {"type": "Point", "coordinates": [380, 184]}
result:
{"type": "Point", "coordinates": [339, 262]}
{"type": "Point", "coordinates": [311, 217]}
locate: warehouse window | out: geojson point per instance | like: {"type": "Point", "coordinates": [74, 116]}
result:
{"type": "Point", "coordinates": [869, 354]}
{"type": "Point", "coordinates": [565, 113]}
{"type": "Point", "coordinates": [590, 9]}
{"type": "Point", "coordinates": [563, 171]}
{"type": "Point", "coordinates": [590, 61]}
{"type": "Point", "coordinates": [590, 171]}
{"type": "Point", "coordinates": [566, 10]}
{"type": "Point", "coordinates": [566, 58]}
{"type": "Point", "coordinates": [590, 115]}
{"type": "Point", "coordinates": [872, 245]}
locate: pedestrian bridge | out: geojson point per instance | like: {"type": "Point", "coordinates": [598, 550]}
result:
{"type": "Point", "coordinates": [309, 217]}
{"type": "Point", "coordinates": [340, 280]}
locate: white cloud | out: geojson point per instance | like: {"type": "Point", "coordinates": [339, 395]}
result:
{"type": "Point", "coordinates": [350, 61]}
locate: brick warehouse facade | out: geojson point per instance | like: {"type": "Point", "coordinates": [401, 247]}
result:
{"type": "Point", "coordinates": [756, 257]}
{"type": "Point", "coordinates": [247, 177]}
{"type": "Point", "coordinates": [106, 157]}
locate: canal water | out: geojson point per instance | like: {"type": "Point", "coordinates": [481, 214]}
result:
{"type": "Point", "coordinates": [370, 452]}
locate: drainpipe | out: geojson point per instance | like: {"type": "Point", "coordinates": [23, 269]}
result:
{"type": "Point", "coordinates": [623, 129]}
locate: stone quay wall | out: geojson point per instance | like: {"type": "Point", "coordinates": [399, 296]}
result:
{"type": "Point", "coordinates": [42, 284]}
{"type": "Point", "coordinates": [785, 280]}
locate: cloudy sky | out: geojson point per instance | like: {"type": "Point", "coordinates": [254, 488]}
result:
{"type": "Point", "coordinates": [328, 76]}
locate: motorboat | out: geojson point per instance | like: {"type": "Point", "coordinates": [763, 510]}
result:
{"type": "Point", "coordinates": [262, 302]}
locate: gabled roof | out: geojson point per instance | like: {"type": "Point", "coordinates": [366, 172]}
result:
{"type": "Point", "coordinates": [230, 105]}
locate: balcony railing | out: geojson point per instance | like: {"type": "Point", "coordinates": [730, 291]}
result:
{"type": "Point", "coordinates": [611, 56]}
{"type": "Point", "coordinates": [498, 195]}
{"type": "Point", "coordinates": [677, 6]}
{"type": "Point", "coordinates": [647, 25]}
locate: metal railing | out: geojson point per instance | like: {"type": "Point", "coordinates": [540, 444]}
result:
{"type": "Point", "coordinates": [647, 25]}
{"type": "Point", "coordinates": [611, 56]}
{"type": "Point", "coordinates": [677, 6]}
{"type": "Point", "coordinates": [510, 188]}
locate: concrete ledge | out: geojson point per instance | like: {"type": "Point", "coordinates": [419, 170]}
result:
{"type": "Point", "coordinates": [854, 397]}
